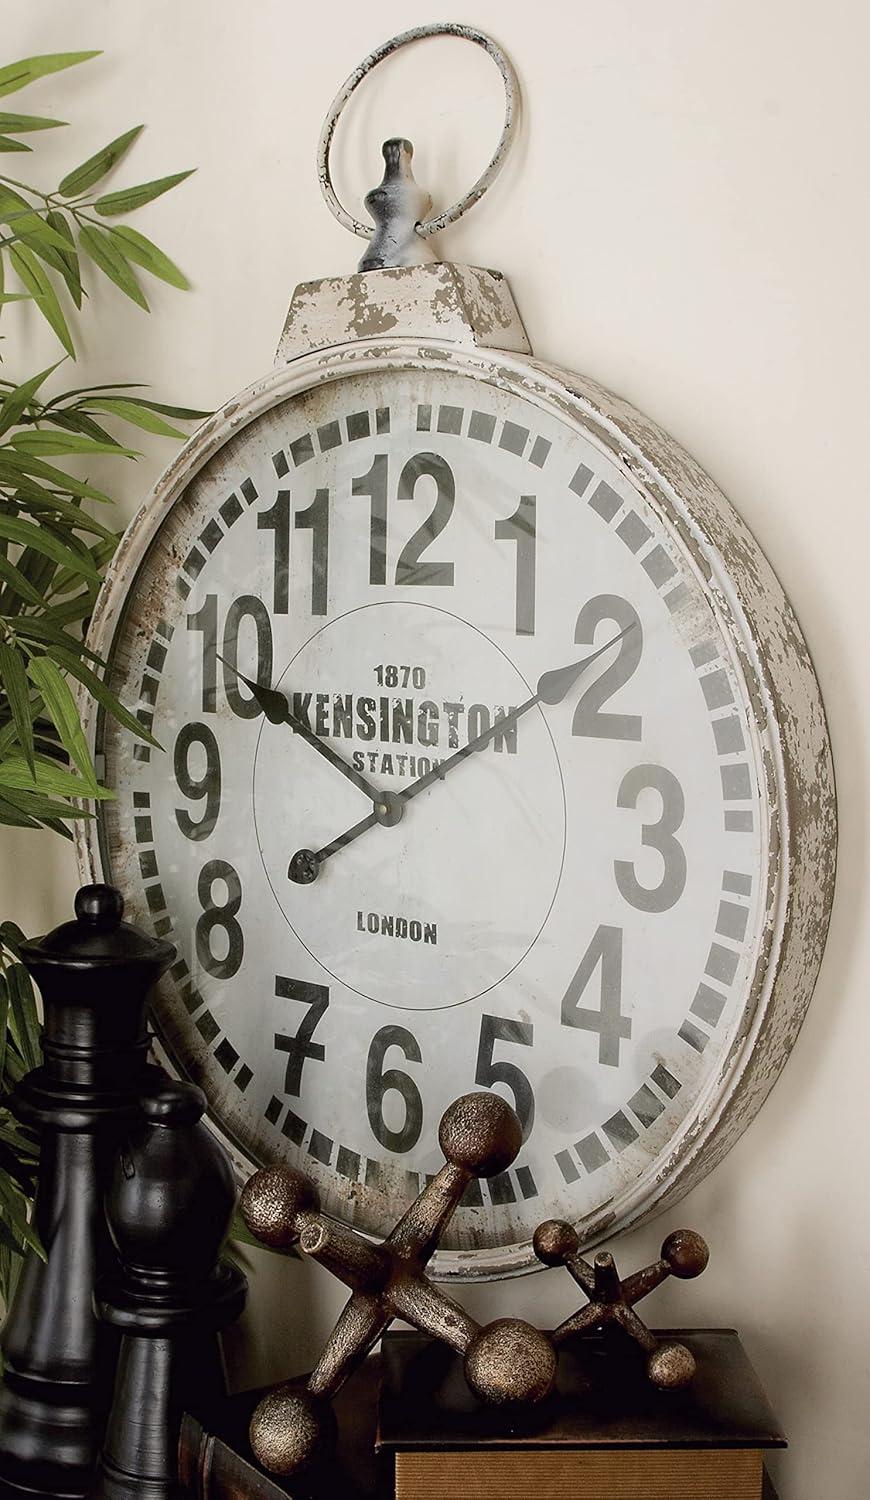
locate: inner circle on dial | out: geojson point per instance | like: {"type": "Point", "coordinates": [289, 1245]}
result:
{"type": "Point", "coordinates": [436, 908]}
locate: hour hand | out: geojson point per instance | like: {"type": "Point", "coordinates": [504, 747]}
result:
{"type": "Point", "coordinates": [277, 709]}
{"type": "Point", "coordinates": [274, 704]}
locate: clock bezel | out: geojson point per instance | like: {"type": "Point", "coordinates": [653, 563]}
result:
{"type": "Point", "coordinates": [754, 615]}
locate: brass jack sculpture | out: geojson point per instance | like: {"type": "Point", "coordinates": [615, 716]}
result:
{"type": "Point", "coordinates": [612, 1300]}
{"type": "Point", "coordinates": [506, 1361]}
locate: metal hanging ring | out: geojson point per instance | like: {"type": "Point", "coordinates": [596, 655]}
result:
{"type": "Point", "coordinates": [486, 179]}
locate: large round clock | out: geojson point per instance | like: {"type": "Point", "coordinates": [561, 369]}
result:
{"type": "Point", "coordinates": [491, 756]}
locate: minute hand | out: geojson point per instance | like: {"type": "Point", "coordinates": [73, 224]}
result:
{"type": "Point", "coordinates": [553, 686]}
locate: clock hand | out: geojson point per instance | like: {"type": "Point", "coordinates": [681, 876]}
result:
{"type": "Point", "coordinates": [278, 711]}
{"type": "Point", "coordinates": [305, 864]}
{"type": "Point", "coordinates": [553, 686]}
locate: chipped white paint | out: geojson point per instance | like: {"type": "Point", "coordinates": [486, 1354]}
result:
{"type": "Point", "coordinates": [455, 304]}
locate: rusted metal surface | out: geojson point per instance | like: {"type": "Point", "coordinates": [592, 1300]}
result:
{"type": "Point", "coordinates": [612, 1299]}
{"type": "Point", "coordinates": [448, 317]}
{"type": "Point", "coordinates": [506, 1361]}
{"type": "Point", "coordinates": [389, 49]}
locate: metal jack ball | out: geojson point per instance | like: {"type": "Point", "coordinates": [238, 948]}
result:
{"type": "Point", "coordinates": [506, 1361]}
{"type": "Point", "coordinates": [612, 1300]}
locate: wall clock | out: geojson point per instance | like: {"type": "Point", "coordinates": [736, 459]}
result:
{"type": "Point", "coordinates": [492, 756]}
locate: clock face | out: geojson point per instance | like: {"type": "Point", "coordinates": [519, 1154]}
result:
{"type": "Point", "coordinates": [571, 914]}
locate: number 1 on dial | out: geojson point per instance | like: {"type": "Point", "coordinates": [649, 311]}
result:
{"type": "Point", "coordinates": [316, 520]}
{"type": "Point", "coordinates": [520, 528]}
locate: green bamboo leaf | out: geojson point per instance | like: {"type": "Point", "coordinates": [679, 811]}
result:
{"type": "Point", "coordinates": [8, 144]}
{"type": "Point", "coordinates": [70, 611]}
{"type": "Point", "coordinates": [15, 1212]}
{"type": "Point", "coordinates": [16, 75]}
{"type": "Point", "coordinates": [64, 582]}
{"type": "Point", "coordinates": [23, 1020]}
{"type": "Point", "coordinates": [47, 252]}
{"type": "Point", "coordinates": [68, 535]}
{"type": "Point", "coordinates": [104, 696]}
{"type": "Point", "coordinates": [58, 699]}
{"type": "Point", "coordinates": [15, 297]}
{"type": "Point", "coordinates": [183, 413]}
{"type": "Point", "coordinates": [23, 219]}
{"type": "Point", "coordinates": [14, 679]}
{"type": "Point", "coordinates": [16, 401]}
{"type": "Point", "coordinates": [37, 440]}
{"type": "Point", "coordinates": [8, 1240]}
{"type": "Point", "coordinates": [105, 254]}
{"type": "Point", "coordinates": [85, 390]}
{"type": "Point", "coordinates": [127, 200]}
{"type": "Point", "coordinates": [33, 805]}
{"type": "Point", "coordinates": [4, 1023]}
{"type": "Point", "coordinates": [71, 419]}
{"type": "Point", "coordinates": [7, 1261]}
{"type": "Point", "coordinates": [15, 1068]}
{"type": "Point", "coordinates": [69, 258]}
{"type": "Point", "coordinates": [11, 936]}
{"type": "Point", "coordinates": [21, 124]}
{"type": "Point", "coordinates": [96, 166]}
{"type": "Point", "coordinates": [12, 817]}
{"type": "Point", "coordinates": [12, 576]}
{"type": "Point", "coordinates": [50, 633]}
{"type": "Point", "coordinates": [29, 466]}
{"type": "Point", "coordinates": [42, 540]}
{"type": "Point", "coordinates": [32, 499]}
{"type": "Point", "coordinates": [42, 292]}
{"type": "Point", "coordinates": [15, 1139]}
{"type": "Point", "coordinates": [137, 416]}
{"type": "Point", "coordinates": [15, 1167]}
{"type": "Point", "coordinates": [50, 780]}
{"type": "Point", "coordinates": [137, 247]}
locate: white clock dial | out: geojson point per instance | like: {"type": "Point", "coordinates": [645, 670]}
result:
{"type": "Point", "coordinates": [573, 914]}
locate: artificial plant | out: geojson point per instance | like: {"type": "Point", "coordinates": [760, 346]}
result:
{"type": "Point", "coordinates": [53, 547]}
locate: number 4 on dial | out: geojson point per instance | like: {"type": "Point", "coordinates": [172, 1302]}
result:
{"type": "Point", "coordinates": [608, 1021]}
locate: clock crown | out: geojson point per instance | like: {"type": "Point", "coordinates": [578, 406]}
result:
{"type": "Point", "coordinates": [397, 207]}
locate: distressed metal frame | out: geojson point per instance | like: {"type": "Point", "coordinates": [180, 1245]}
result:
{"type": "Point", "coordinates": [741, 588]}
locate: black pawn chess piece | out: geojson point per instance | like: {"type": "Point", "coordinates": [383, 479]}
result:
{"type": "Point", "coordinates": [94, 974]}
{"type": "Point", "coordinates": [168, 1208]}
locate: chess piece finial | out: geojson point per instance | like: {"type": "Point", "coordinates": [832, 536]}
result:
{"type": "Point", "coordinates": [397, 206]}
{"type": "Point", "coordinates": [612, 1300]}
{"type": "Point", "coordinates": [168, 1209]}
{"type": "Point", "coordinates": [507, 1361]}
{"type": "Point", "coordinates": [94, 974]}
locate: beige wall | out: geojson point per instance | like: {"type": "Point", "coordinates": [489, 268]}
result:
{"type": "Point", "coordinates": [685, 219]}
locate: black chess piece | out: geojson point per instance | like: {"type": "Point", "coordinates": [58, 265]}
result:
{"type": "Point", "coordinates": [168, 1208]}
{"type": "Point", "coordinates": [94, 974]}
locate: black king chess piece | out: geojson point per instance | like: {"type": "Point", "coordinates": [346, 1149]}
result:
{"type": "Point", "coordinates": [94, 974]}
{"type": "Point", "coordinates": [168, 1208]}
